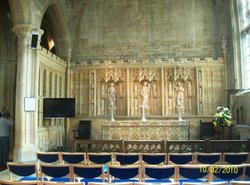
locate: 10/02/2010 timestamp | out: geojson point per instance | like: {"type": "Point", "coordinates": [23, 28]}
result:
{"type": "Point", "coordinates": [219, 169]}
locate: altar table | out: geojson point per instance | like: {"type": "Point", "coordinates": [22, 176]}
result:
{"type": "Point", "coordinates": [146, 130]}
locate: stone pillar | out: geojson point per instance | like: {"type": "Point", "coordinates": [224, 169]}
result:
{"type": "Point", "coordinates": [2, 83]}
{"type": "Point", "coordinates": [26, 86]}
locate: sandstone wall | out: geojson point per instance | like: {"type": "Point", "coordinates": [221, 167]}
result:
{"type": "Point", "coordinates": [146, 29]}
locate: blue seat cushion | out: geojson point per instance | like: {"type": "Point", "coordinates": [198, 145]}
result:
{"type": "Point", "coordinates": [125, 180]}
{"type": "Point", "coordinates": [157, 180]}
{"type": "Point", "coordinates": [86, 181]}
{"type": "Point", "coordinates": [60, 179]}
{"type": "Point", "coordinates": [192, 180]}
{"type": "Point", "coordinates": [28, 178]}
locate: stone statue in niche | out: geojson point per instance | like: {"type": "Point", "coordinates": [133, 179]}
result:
{"type": "Point", "coordinates": [112, 94]}
{"type": "Point", "coordinates": [180, 99]}
{"type": "Point", "coordinates": [136, 89]}
{"type": "Point", "coordinates": [190, 104]}
{"type": "Point", "coordinates": [189, 88]}
{"type": "Point", "coordinates": [112, 98]}
{"type": "Point", "coordinates": [102, 90]}
{"type": "Point", "coordinates": [180, 95]}
{"type": "Point", "coordinates": [154, 89]}
{"type": "Point", "coordinates": [145, 93]}
{"type": "Point", "coordinates": [102, 105]}
{"type": "Point", "coordinates": [170, 89]}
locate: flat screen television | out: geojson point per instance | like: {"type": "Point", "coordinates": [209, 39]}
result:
{"type": "Point", "coordinates": [58, 107]}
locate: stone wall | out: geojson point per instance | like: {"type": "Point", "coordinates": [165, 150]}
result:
{"type": "Point", "coordinates": [240, 105]}
{"type": "Point", "coordinates": [147, 29]}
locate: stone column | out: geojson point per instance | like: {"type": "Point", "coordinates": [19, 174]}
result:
{"type": "Point", "coordinates": [26, 86]}
{"type": "Point", "coordinates": [2, 83]}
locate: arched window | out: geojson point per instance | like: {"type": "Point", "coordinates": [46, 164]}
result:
{"type": "Point", "coordinates": [244, 20]}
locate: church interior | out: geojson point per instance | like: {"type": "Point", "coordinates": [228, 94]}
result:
{"type": "Point", "coordinates": [77, 73]}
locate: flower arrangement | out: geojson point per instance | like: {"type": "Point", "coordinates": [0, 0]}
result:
{"type": "Point", "coordinates": [222, 117]}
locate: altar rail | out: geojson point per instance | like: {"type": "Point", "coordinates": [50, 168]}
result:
{"type": "Point", "coordinates": [161, 146]}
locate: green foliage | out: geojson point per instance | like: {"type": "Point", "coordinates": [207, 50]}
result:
{"type": "Point", "coordinates": [222, 117]}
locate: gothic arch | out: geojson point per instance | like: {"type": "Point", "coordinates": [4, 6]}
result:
{"type": "Point", "coordinates": [6, 36]}
{"type": "Point", "coordinates": [18, 14]}
{"type": "Point", "coordinates": [8, 52]}
{"type": "Point", "coordinates": [57, 27]}
{"type": "Point", "coordinates": [23, 12]}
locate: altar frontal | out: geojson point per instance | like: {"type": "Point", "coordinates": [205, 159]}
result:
{"type": "Point", "coordinates": [146, 130]}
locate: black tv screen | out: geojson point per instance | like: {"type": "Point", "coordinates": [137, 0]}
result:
{"type": "Point", "coordinates": [58, 107]}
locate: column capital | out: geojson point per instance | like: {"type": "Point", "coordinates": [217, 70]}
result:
{"type": "Point", "coordinates": [40, 31]}
{"type": "Point", "coordinates": [22, 29]}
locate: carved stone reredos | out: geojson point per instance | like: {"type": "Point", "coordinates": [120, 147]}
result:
{"type": "Point", "coordinates": [203, 84]}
